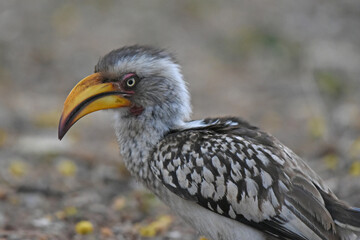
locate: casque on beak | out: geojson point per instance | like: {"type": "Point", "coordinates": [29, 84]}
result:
{"type": "Point", "coordinates": [91, 94]}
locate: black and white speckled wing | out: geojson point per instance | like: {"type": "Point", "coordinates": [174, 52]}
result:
{"type": "Point", "coordinates": [237, 171]}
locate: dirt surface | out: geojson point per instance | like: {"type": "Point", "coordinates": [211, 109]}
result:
{"type": "Point", "coordinates": [290, 67]}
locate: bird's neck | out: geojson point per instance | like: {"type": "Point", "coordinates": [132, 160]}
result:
{"type": "Point", "coordinates": [137, 136]}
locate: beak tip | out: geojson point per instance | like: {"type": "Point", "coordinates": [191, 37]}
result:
{"type": "Point", "coordinates": [61, 130]}
{"type": "Point", "coordinates": [61, 133]}
{"type": "Point", "coordinates": [60, 137]}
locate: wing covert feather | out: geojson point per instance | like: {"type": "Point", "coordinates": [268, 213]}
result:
{"type": "Point", "coordinates": [242, 173]}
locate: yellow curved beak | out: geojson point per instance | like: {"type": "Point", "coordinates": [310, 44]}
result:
{"type": "Point", "coordinates": [89, 95]}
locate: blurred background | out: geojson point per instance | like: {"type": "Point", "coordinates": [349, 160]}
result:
{"type": "Point", "coordinates": [290, 67]}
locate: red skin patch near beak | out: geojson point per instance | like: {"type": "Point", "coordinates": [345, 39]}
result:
{"type": "Point", "coordinates": [136, 110]}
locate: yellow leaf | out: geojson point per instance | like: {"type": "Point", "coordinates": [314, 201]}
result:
{"type": "Point", "coordinates": [3, 137]}
{"type": "Point", "coordinates": [354, 151]}
{"type": "Point", "coordinates": [316, 127]}
{"type": "Point", "coordinates": [164, 222]}
{"type": "Point", "coordinates": [70, 211]}
{"type": "Point", "coordinates": [331, 161]}
{"type": "Point", "coordinates": [67, 168]}
{"type": "Point", "coordinates": [84, 227]}
{"type": "Point", "coordinates": [17, 168]}
{"type": "Point", "coordinates": [202, 238]}
{"type": "Point", "coordinates": [355, 169]}
{"type": "Point", "coordinates": [148, 231]}
{"type": "Point", "coordinates": [156, 227]}
{"type": "Point", "coordinates": [66, 212]}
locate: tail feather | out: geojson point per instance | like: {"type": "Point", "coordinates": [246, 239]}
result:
{"type": "Point", "coordinates": [347, 218]}
{"type": "Point", "coordinates": [347, 234]}
{"type": "Point", "coordinates": [344, 216]}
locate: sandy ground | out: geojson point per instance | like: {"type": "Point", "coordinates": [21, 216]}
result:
{"type": "Point", "coordinates": [290, 67]}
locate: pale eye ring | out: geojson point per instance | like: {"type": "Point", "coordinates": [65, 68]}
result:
{"type": "Point", "coordinates": [131, 82]}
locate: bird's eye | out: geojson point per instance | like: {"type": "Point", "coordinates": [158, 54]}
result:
{"type": "Point", "coordinates": [130, 82]}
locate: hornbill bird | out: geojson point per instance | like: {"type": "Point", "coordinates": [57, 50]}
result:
{"type": "Point", "coordinates": [223, 176]}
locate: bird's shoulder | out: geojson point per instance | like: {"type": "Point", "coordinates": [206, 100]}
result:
{"type": "Point", "coordinates": [220, 159]}
{"type": "Point", "coordinates": [236, 170]}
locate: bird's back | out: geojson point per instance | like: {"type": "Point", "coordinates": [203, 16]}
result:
{"type": "Point", "coordinates": [233, 169]}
